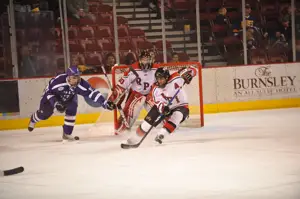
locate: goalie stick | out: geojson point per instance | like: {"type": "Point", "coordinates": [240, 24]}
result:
{"type": "Point", "coordinates": [11, 171]}
{"type": "Point", "coordinates": [118, 106]}
{"type": "Point", "coordinates": [128, 146]}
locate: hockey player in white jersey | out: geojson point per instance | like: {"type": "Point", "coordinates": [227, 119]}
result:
{"type": "Point", "coordinates": [139, 89]}
{"type": "Point", "coordinates": [161, 93]}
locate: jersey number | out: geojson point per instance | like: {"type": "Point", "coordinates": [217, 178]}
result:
{"type": "Point", "coordinates": [169, 98]}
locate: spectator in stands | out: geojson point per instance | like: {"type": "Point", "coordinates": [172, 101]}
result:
{"type": "Point", "coordinates": [110, 61]}
{"type": "Point", "coordinates": [154, 5]}
{"type": "Point", "coordinates": [285, 14]}
{"type": "Point", "coordinates": [79, 9]}
{"type": "Point", "coordinates": [221, 18]}
{"type": "Point", "coordinates": [285, 30]}
{"type": "Point", "coordinates": [27, 63]}
{"type": "Point", "coordinates": [251, 42]}
{"type": "Point", "coordinates": [175, 57]}
{"type": "Point", "coordinates": [250, 22]}
{"type": "Point", "coordinates": [129, 59]}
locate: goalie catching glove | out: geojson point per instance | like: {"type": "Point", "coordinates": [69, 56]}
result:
{"type": "Point", "coordinates": [187, 74]}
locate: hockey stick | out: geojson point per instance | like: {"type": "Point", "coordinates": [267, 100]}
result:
{"type": "Point", "coordinates": [11, 171]}
{"type": "Point", "coordinates": [128, 146]}
{"type": "Point", "coordinates": [118, 105]}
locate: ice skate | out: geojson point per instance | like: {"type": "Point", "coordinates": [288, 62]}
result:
{"type": "Point", "coordinates": [31, 126]}
{"type": "Point", "coordinates": [66, 137]}
{"type": "Point", "coordinates": [159, 138]}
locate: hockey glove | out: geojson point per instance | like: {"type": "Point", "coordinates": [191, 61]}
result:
{"type": "Point", "coordinates": [166, 111]}
{"type": "Point", "coordinates": [60, 107]}
{"type": "Point", "coordinates": [109, 105]}
{"type": "Point", "coordinates": [186, 74]}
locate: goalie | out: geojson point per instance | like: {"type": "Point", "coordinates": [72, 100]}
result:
{"type": "Point", "coordinates": [162, 92]}
{"type": "Point", "coordinates": [138, 82]}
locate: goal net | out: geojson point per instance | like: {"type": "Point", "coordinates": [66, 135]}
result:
{"type": "Point", "coordinates": [193, 91]}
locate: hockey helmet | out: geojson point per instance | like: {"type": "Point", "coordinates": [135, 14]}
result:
{"type": "Point", "coordinates": [73, 71]}
{"type": "Point", "coordinates": [146, 60]}
{"type": "Point", "coordinates": [162, 76]}
{"type": "Point", "coordinates": [73, 74]}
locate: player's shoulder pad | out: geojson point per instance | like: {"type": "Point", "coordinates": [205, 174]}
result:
{"type": "Point", "coordinates": [174, 76]}
{"type": "Point", "coordinates": [58, 81]}
{"type": "Point", "coordinates": [84, 85]}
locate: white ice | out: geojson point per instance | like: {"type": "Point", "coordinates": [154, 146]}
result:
{"type": "Point", "coordinates": [242, 155]}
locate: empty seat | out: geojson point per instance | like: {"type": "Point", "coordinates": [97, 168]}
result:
{"type": "Point", "coordinates": [108, 47]}
{"type": "Point", "coordinates": [183, 57]}
{"type": "Point", "coordinates": [159, 45]}
{"type": "Point", "coordinates": [86, 32]}
{"type": "Point", "coordinates": [93, 59]}
{"type": "Point", "coordinates": [92, 45]}
{"type": "Point", "coordinates": [122, 31]}
{"type": "Point", "coordinates": [136, 40]}
{"type": "Point", "coordinates": [72, 32]}
{"type": "Point", "coordinates": [75, 46]}
{"type": "Point", "coordinates": [105, 8]}
{"type": "Point", "coordinates": [122, 20]}
{"type": "Point", "coordinates": [181, 5]}
{"type": "Point", "coordinates": [144, 45]}
{"type": "Point", "coordinates": [136, 32]}
{"type": "Point", "coordinates": [102, 32]}
{"type": "Point", "coordinates": [126, 46]}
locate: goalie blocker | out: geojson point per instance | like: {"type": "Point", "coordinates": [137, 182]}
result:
{"type": "Point", "coordinates": [162, 91]}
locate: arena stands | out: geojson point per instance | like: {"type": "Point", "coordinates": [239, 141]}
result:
{"type": "Point", "coordinates": [39, 36]}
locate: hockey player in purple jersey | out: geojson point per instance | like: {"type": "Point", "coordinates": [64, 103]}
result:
{"type": "Point", "coordinates": [61, 94]}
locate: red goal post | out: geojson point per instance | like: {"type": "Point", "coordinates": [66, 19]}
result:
{"type": "Point", "coordinates": [195, 98]}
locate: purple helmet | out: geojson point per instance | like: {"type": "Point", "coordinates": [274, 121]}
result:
{"type": "Point", "coordinates": [73, 71]}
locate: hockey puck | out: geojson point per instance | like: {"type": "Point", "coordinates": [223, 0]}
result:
{"type": "Point", "coordinates": [12, 171]}
{"type": "Point", "coordinates": [76, 138]}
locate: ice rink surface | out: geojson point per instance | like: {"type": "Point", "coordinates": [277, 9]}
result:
{"type": "Point", "coordinates": [242, 155]}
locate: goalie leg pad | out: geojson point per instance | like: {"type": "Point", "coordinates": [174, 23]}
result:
{"type": "Point", "coordinates": [133, 106]}
{"type": "Point", "coordinates": [132, 109]}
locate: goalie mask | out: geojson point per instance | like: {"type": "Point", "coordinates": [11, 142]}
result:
{"type": "Point", "coordinates": [162, 76]}
{"type": "Point", "coordinates": [73, 78]}
{"type": "Point", "coordinates": [146, 60]}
